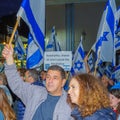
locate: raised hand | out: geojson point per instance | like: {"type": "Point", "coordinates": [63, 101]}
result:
{"type": "Point", "coordinates": [7, 53]}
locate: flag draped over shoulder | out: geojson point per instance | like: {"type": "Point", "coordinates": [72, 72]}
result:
{"type": "Point", "coordinates": [19, 47]}
{"type": "Point", "coordinates": [33, 13]}
{"type": "Point", "coordinates": [78, 60]}
{"type": "Point", "coordinates": [104, 45]}
{"type": "Point", "coordinates": [53, 44]}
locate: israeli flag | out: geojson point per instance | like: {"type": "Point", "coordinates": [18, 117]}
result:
{"type": "Point", "coordinates": [32, 52]}
{"type": "Point", "coordinates": [91, 61]}
{"type": "Point", "coordinates": [78, 60]}
{"type": "Point", "coordinates": [53, 43]}
{"type": "Point", "coordinates": [19, 47]}
{"type": "Point", "coordinates": [117, 30]}
{"type": "Point", "coordinates": [108, 70]}
{"type": "Point", "coordinates": [116, 74]}
{"type": "Point", "coordinates": [116, 86]}
{"type": "Point", "coordinates": [33, 13]}
{"type": "Point", "coordinates": [104, 45]}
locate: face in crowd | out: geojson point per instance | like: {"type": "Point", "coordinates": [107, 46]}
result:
{"type": "Point", "coordinates": [74, 90]}
{"type": "Point", "coordinates": [55, 80]}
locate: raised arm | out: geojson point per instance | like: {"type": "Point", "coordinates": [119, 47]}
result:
{"type": "Point", "coordinates": [86, 64]}
{"type": "Point", "coordinates": [23, 90]}
{"type": "Point", "coordinates": [7, 53]}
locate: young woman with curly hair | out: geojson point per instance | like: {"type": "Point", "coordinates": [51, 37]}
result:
{"type": "Point", "coordinates": [90, 99]}
{"type": "Point", "coordinates": [6, 111]}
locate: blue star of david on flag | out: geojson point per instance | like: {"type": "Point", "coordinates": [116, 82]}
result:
{"type": "Point", "coordinates": [78, 65]}
{"type": "Point", "coordinates": [78, 60]}
{"type": "Point", "coordinates": [104, 45]}
{"type": "Point", "coordinates": [102, 38]}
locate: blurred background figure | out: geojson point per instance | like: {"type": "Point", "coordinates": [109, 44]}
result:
{"type": "Point", "coordinates": [19, 106]}
{"type": "Point", "coordinates": [43, 77]}
{"type": "Point", "coordinates": [3, 85]}
{"type": "Point", "coordinates": [115, 100]}
{"type": "Point", "coordinates": [89, 99]}
{"type": "Point", "coordinates": [6, 111]}
{"type": "Point", "coordinates": [22, 73]}
{"type": "Point", "coordinates": [108, 83]}
{"type": "Point", "coordinates": [32, 77]}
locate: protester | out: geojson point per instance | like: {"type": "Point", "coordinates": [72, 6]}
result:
{"type": "Point", "coordinates": [6, 111]}
{"type": "Point", "coordinates": [41, 103]}
{"type": "Point", "coordinates": [115, 100]}
{"type": "Point", "coordinates": [108, 83]}
{"type": "Point", "coordinates": [89, 99]}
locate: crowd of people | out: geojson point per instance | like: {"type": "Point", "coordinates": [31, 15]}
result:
{"type": "Point", "coordinates": [44, 96]}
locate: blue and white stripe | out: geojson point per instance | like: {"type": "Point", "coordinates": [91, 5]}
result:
{"type": "Point", "coordinates": [78, 60]}
{"type": "Point", "coordinates": [33, 13]}
{"type": "Point", "coordinates": [53, 43]}
{"type": "Point", "coordinates": [104, 45]}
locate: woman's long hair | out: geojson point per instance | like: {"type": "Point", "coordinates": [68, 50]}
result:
{"type": "Point", "coordinates": [5, 107]}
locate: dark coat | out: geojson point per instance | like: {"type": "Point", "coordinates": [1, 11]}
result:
{"type": "Point", "coordinates": [102, 114]}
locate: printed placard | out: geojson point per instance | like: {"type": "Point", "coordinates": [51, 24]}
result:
{"type": "Point", "coordinates": [61, 58]}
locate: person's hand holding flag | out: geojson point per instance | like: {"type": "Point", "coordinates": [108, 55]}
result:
{"type": "Point", "coordinates": [7, 53]}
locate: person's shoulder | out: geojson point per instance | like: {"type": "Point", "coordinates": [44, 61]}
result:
{"type": "Point", "coordinates": [106, 114]}
{"type": "Point", "coordinates": [119, 117]}
{"type": "Point", "coordinates": [1, 116]}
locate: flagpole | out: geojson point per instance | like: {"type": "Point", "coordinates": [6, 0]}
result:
{"type": "Point", "coordinates": [14, 30]}
{"type": "Point", "coordinates": [95, 69]}
{"type": "Point", "coordinates": [89, 52]}
{"type": "Point", "coordinates": [97, 62]}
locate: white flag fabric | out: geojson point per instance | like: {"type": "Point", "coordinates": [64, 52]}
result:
{"type": "Point", "coordinates": [33, 13]}
{"type": "Point", "coordinates": [33, 53]}
{"type": "Point", "coordinates": [104, 45]}
{"type": "Point", "coordinates": [78, 60]}
{"type": "Point", "coordinates": [53, 43]}
{"type": "Point", "coordinates": [117, 30]}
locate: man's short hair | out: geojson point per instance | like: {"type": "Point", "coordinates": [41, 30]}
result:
{"type": "Point", "coordinates": [58, 68]}
{"type": "Point", "coordinates": [33, 73]}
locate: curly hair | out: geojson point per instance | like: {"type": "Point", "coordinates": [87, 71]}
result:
{"type": "Point", "coordinates": [93, 95]}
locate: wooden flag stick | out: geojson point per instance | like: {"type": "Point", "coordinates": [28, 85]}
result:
{"type": "Point", "coordinates": [89, 52]}
{"type": "Point", "coordinates": [96, 64]}
{"type": "Point", "coordinates": [14, 30]}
